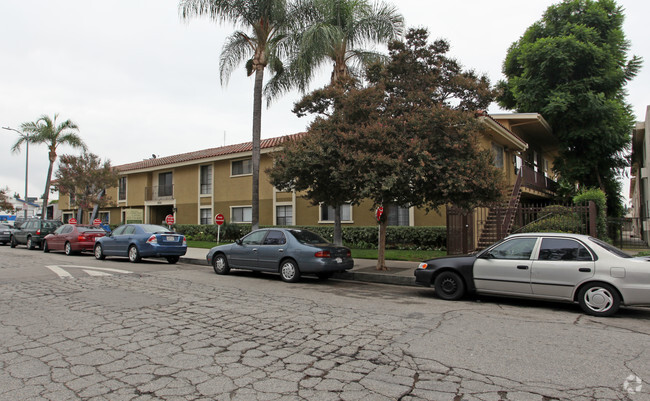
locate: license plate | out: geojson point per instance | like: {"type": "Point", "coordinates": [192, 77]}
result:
{"type": "Point", "coordinates": [339, 260]}
{"type": "Point", "coordinates": [170, 238]}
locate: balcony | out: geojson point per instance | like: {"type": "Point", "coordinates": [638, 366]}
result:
{"type": "Point", "coordinates": [159, 192]}
{"type": "Point", "coordinates": [536, 180]}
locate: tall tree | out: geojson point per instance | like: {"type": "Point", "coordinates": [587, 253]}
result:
{"type": "Point", "coordinates": [4, 200]}
{"type": "Point", "coordinates": [46, 131]}
{"type": "Point", "coordinates": [572, 67]}
{"type": "Point", "coordinates": [263, 46]}
{"type": "Point", "coordinates": [84, 178]}
{"type": "Point", "coordinates": [337, 32]}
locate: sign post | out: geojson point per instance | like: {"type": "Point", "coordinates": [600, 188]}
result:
{"type": "Point", "coordinates": [219, 219]}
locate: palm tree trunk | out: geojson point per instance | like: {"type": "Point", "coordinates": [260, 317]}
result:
{"type": "Point", "coordinates": [46, 194]}
{"type": "Point", "coordinates": [257, 128]}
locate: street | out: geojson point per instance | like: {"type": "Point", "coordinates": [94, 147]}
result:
{"type": "Point", "coordinates": [113, 330]}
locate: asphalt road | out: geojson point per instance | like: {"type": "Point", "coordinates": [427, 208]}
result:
{"type": "Point", "coordinates": [113, 330]}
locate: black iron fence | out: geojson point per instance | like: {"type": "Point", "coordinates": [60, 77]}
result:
{"type": "Point", "coordinates": [626, 232]}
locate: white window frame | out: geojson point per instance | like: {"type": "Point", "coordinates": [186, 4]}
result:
{"type": "Point", "coordinates": [232, 220]}
{"type": "Point", "coordinates": [126, 189]}
{"type": "Point", "coordinates": [320, 214]}
{"type": "Point", "coordinates": [243, 174]}
{"type": "Point", "coordinates": [285, 204]}
{"type": "Point", "coordinates": [211, 190]}
{"type": "Point", "coordinates": [210, 216]}
{"type": "Point", "coordinates": [499, 155]}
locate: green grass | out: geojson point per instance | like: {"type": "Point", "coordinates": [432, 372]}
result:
{"type": "Point", "coordinates": [391, 254]}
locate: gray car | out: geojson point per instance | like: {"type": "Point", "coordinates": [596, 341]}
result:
{"type": "Point", "coordinates": [290, 252]}
{"type": "Point", "coordinates": [5, 233]}
{"type": "Point", "coordinates": [550, 266]}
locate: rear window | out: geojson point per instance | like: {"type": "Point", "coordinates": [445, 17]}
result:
{"type": "Point", "coordinates": [90, 230]}
{"type": "Point", "coordinates": [610, 248]}
{"type": "Point", "coordinates": [307, 237]}
{"type": "Point", "coordinates": [151, 228]}
{"type": "Point", "coordinates": [51, 224]}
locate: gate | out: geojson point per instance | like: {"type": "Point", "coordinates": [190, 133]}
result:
{"type": "Point", "coordinates": [460, 233]}
{"type": "Point", "coordinates": [625, 232]}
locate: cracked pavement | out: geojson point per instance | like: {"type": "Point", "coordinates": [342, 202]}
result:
{"type": "Point", "coordinates": [183, 333]}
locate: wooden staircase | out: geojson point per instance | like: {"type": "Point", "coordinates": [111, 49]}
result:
{"type": "Point", "coordinates": [500, 218]}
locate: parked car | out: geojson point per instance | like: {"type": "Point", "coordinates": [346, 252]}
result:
{"type": "Point", "coordinates": [549, 266]}
{"type": "Point", "coordinates": [72, 238]}
{"type": "Point", "coordinates": [137, 241]}
{"type": "Point", "coordinates": [32, 231]}
{"type": "Point", "coordinates": [290, 252]}
{"type": "Point", "coordinates": [5, 233]}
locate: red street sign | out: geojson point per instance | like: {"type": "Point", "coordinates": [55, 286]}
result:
{"type": "Point", "coordinates": [72, 221]}
{"type": "Point", "coordinates": [97, 222]}
{"type": "Point", "coordinates": [169, 219]}
{"type": "Point", "coordinates": [380, 211]}
{"type": "Point", "coordinates": [219, 219]}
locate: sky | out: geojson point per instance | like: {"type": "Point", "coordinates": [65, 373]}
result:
{"type": "Point", "coordinates": [139, 81]}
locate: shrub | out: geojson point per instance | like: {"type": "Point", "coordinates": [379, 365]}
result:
{"type": "Point", "coordinates": [600, 199]}
{"type": "Point", "coordinates": [556, 218]}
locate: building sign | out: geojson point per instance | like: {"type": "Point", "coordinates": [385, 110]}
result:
{"type": "Point", "coordinates": [134, 216]}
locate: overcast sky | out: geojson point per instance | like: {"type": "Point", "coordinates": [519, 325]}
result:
{"type": "Point", "coordinates": [139, 81]}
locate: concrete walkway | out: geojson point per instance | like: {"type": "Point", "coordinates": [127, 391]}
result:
{"type": "Point", "coordinates": [400, 273]}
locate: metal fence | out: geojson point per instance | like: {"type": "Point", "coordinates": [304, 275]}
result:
{"type": "Point", "coordinates": [626, 232]}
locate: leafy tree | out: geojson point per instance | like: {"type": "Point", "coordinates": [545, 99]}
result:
{"type": "Point", "coordinates": [4, 200]}
{"type": "Point", "coordinates": [572, 67]}
{"type": "Point", "coordinates": [46, 131]}
{"type": "Point", "coordinates": [337, 32]}
{"type": "Point", "coordinates": [268, 22]}
{"type": "Point", "coordinates": [84, 178]}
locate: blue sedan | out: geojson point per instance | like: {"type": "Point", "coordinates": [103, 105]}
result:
{"type": "Point", "coordinates": [290, 252]}
{"type": "Point", "coordinates": [139, 241]}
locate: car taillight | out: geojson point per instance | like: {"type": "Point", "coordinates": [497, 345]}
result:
{"type": "Point", "coordinates": [82, 238]}
{"type": "Point", "coordinates": [152, 240]}
{"type": "Point", "coordinates": [38, 232]}
{"type": "Point", "coordinates": [322, 254]}
{"type": "Point", "coordinates": [348, 254]}
{"type": "Point", "coordinates": [184, 241]}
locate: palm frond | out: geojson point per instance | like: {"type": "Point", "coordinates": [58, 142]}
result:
{"type": "Point", "coordinates": [237, 48]}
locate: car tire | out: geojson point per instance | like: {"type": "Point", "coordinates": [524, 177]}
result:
{"type": "Point", "coordinates": [30, 243]}
{"type": "Point", "coordinates": [449, 286]}
{"type": "Point", "coordinates": [45, 248]}
{"type": "Point", "coordinates": [13, 242]}
{"type": "Point", "coordinates": [68, 249]}
{"type": "Point", "coordinates": [134, 254]}
{"type": "Point", "coordinates": [289, 271]}
{"type": "Point", "coordinates": [99, 252]}
{"type": "Point", "coordinates": [220, 264]}
{"type": "Point", "coordinates": [173, 259]}
{"type": "Point", "coordinates": [599, 299]}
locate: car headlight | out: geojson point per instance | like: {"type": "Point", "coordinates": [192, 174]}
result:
{"type": "Point", "coordinates": [422, 265]}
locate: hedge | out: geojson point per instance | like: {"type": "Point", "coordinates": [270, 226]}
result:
{"type": "Point", "coordinates": [397, 237]}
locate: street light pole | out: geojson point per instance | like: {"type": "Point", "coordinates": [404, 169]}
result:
{"type": "Point", "coordinates": [26, 136]}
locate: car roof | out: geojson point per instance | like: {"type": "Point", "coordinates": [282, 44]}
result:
{"type": "Point", "coordinates": [542, 234]}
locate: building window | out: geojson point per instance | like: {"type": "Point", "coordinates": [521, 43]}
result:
{"type": "Point", "coordinates": [122, 189]}
{"type": "Point", "coordinates": [206, 216]}
{"type": "Point", "coordinates": [242, 167]}
{"type": "Point", "coordinates": [241, 214]}
{"type": "Point", "coordinates": [165, 186]}
{"type": "Point", "coordinates": [398, 216]}
{"type": "Point", "coordinates": [284, 215]}
{"type": "Point", "coordinates": [497, 151]}
{"type": "Point", "coordinates": [206, 180]}
{"type": "Point", "coordinates": [327, 212]}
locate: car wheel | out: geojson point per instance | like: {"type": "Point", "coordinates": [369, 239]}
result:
{"type": "Point", "coordinates": [220, 264]}
{"type": "Point", "coordinates": [68, 249]}
{"type": "Point", "coordinates": [45, 248]}
{"type": "Point", "coordinates": [134, 254]}
{"type": "Point", "coordinates": [289, 271]}
{"type": "Point", "coordinates": [599, 299]}
{"type": "Point", "coordinates": [99, 252]}
{"type": "Point", "coordinates": [13, 242]}
{"type": "Point", "coordinates": [173, 259]}
{"type": "Point", "coordinates": [449, 286]}
{"type": "Point", "coordinates": [30, 243]}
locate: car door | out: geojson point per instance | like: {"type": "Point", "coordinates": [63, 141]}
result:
{"type": "Point", "coordinates": [56, 241]}
{"type": "Point", "coordinates": [561, 265]}
{"type": "Point", "coordinates": [109, 243]}
{"type": "Point", "coordinates": [271, 250]}
{"type": "Point", "coordinates": [21, 235]}
{"type": "Point", "coordinates": [244, 253]}
{"type": "Point", "coordinates": [123, 240]}
{"type": "Point", "coordinates": [505, 269]}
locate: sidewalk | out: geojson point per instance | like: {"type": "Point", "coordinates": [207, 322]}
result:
{"type": "Point", "coordinates": [399, 273]}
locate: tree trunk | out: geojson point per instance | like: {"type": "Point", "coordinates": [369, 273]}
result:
{"type": "Point", "coordinates": [381, 249]}
{"type": "Point", "coordinates": [48, 180]}
{"type": "Point", "coordinates": [257, 128]}
{"type": "Point", "coordinates": [338, 237]}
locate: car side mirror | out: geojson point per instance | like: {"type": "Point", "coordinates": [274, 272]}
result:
{"type": "Point", "coordinates": [486, 255]}
{"type": "Point", "coordinates": [238, 241]}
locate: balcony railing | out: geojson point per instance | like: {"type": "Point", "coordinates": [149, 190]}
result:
{"type": "Point", "coordinates": [537, 180]}
{"type": "Point", "coordinates": [159, 192]}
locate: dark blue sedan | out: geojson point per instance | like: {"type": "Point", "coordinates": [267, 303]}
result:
{"type": "Point", "coordinates": [290, 252]}
{"type": "Point", "coordinates": [139, 241]}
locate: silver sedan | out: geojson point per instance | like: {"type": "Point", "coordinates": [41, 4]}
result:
{"type": "Point", "coordinates": [551, 266]}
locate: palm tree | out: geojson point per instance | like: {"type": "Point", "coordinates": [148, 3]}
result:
{"type": "Point", "coordinates": [336, 32]}
{"type": "Point", "coordinates": [268, 22]}
{"type": "Point", "coordinates": [46, 131]}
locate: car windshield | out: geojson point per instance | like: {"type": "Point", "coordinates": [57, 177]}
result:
{"type": "Point", "coordinates": [307, 237]}
{"type": "Point", "coordinates": [610, 248]}
{"type": "Point", "coordinates": [151, 228]}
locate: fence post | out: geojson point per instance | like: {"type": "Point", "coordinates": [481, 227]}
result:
{"type": "Point", "coordinates": [593, 214]}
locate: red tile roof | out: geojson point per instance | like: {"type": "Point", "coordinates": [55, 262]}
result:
{"type": "Point", "coordinates": [205, 153]}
